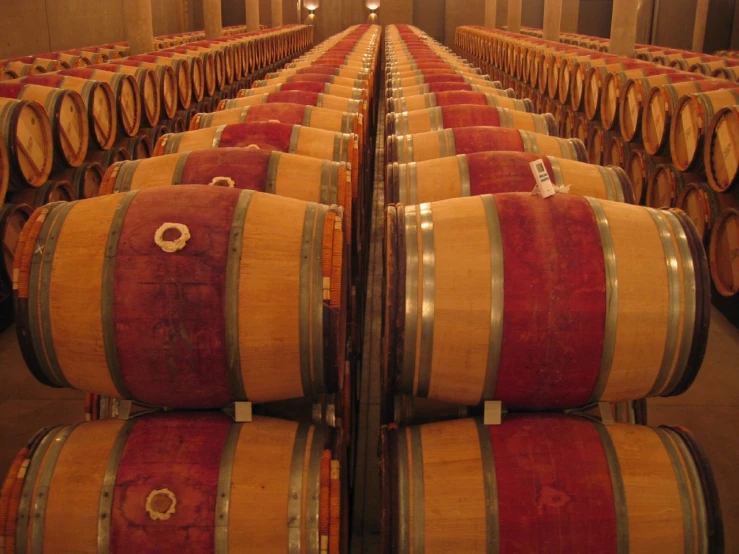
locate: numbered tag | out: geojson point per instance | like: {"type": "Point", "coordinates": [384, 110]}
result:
{"type": "Point", "coordinates": [544, 185]}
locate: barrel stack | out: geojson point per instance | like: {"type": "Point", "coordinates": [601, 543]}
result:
{"type": "Point", "coordinates": [663, 116]}
{"type": "Point", "coordinates": [75, 113]}
{"type": "Point", "coordinates": [234, 291]}
{"type": "Point", "coordinates": [525, 310]}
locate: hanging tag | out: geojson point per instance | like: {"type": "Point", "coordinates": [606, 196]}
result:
{"type": "Point", "coordinates": [544, 185]}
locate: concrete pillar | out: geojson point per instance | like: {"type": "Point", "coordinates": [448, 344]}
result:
{"type": "Point", "coordinates": [139, 26]}
{"type": "Point", "coordinates": [514, 16]}
{"type": "Point", "coordinates": [181, 16]}
{"type": "Point", "coordinates": [570, 15]}
{"type": "Point", "coordinates": [491, 12]}
{"type": "Point", "coordinates": [552, 19]}
{"type": "Point", "coordinates": [252, 15]}
{"type": "Point", "coordinates": [212, 18]}
{"type": "Point", "coordinates": [276, 13]}
{"type": "Point", "coordinates": [699, 31]}
{"type": "Point", "coordinates": [623, 27]}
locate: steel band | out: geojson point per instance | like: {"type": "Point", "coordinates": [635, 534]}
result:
{"type": "Point", "coordinates": [612, 189]}
{"type": "Point", "coordinates": [231, 312]}
{"type": "Point", "coordinates": [23, 519]}
{"type": "Point", "coordinates": [312, 503]}
{"type": "Point", "coordinates": [223, 494]}
{"type": "Point", "coordinates": [413, 183]}
{"type": "Point", "coordinates": [617, 485]}
{"type": "Point", "coordinates": [401, 171]}
{"type": "Point", "coordinates": [105, 507]}
{"type": "Point", "coordinates": [44, 484]}
{"type": "Point", "coordinates": [690, 299]}
{"type": "Point", "coordinates": [270, 185]}
{"type": "Point", "coordinates": [217, 137]}
{"type": "Point", "coordinates": [556, 171]}
{"type": "Point", "coordinates": [107, 301]}
{"type": "Point", "coordinates": [529, 141]}
{"type": "Point", "coordinates": [172, 144]}
{"type": "Point", "coordinates": [38, 303]}
{"type": "Point", "coordinates": [682, 487]}
{"type": "Point", "coordinates": [179, 168]}
{"type": "Point", "coordinates": [242, 116]}
{"type": "Point", "coordinates": [124, 179]}
{"type": "Point", "coordinates": [428, 259]}
{"type": "Point", "coordinates": [495, 337]}
{"type": "Point", "coordinates": [295, 490]}
{"type": "Point", "coordinates": [674, 292]}
{"type": "Point", "coordinates": [611, 299]}
{"type": "Point", "coordinates": [294, 138]}
{"type": "Point", "coordinates": [406, 378]}
{"type": "Point", "coordinates": [464, 175]}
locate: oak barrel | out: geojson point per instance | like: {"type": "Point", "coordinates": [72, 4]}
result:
{"type": "Point", "coordinates": [67, 115]}
{"type": "Point", "coordinates": [99, 100]}
{"type": "Point", "coordinates": [190, 482]}
{"type": "Point", "coordinates": [703, 206]}
{"type": "Point", "coordinates": [50, 191]}
{"type": "Point", "coordinates": [721, 154]}
{"type": "Point", "coordinates": [495, 172]}
{"type": "Point", "coordinates": [267, 321]}
{"type": "Point", "coordinates": [723, 253]}
{"type": "Point", "coordinates": [308, 86]}
{"type": "Point", "coordinates": [4, 168]}
{"type": "Point", "coordinates": [85, 180]}
{"type": "Point", "coordinates": [12, 219]}
{"type": "Point", "coordinates": [298, 97]}
{"type": "Point", "coordinates": [448, 87]}
{"type": "Point", "coordinates": [461, 115]}
{"type": "Point", "coordinates": [183, 73]}
{"type": "Point", "coordinates": [138, 147]}
{"type": "Point", "coordinates": [530, 261]}
{"type": "Point", "coordinates": [666, 184]}
{"type": "Point", "coordinates": [547, 483]}
{"type": "Point", "coordinates": [640, 167]}
{"type": "Point", "coordinates": [466, 140]}
{"type": "Point", "coordinates": [437, 99]}
{"type": "Point", "coordinates": [26, 131]}
{"type": "Point", "coordinates": [155, 88]}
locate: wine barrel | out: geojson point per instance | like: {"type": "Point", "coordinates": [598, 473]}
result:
{"type": "Point", "coordinates": [666, 184]}
{"type": "Point", "coordinates": [301, 177]}
{"type": "Point", "coordinates": [640, 167]}
{"type": "Point", "coordinates": [693, 115]}
{"type": "Point", "coordinates": [13, 217]}
{"type": "Point", "coordinates": [210, 77]}
{"type": "Point", "coordinates": [67, 115]}
{"type": "Point", "coordinates": [175, 125]}
{"type": "Point", "coordinates": [4, 168]}
{"type": "Point", "coordinates": [617, 151]}
{"type": "Point", "coordinates": [165, 238]}
{"type": "Point", "coordinates": [167, 83]}
{"type": "Point", "coordinates": [215, 482]}
{"type": "Point", "coordinates": [16, 70]}
{"type": "Point", "coordinates": [703, 206]}
{"type": "Point", "coordinates": [441, 78]}
{"type": "Point", "coordinates": [154, 133]}
{"type": "Point", "coordinates": [722, 253]}
{"type": "Point", "coordinates": [708, 67]}
{"type": "Point", "coordinates": [596, 144]}
{"type": "Point", "coordinates": [126, 92]}
{"type": "Point", "coordinates": [108, 157]}
{"type": "Point", "coordinates": [576, 481]}
{"type": "Point", "coordinates": [578, 78]}
{"type": "Point", "coordinates": [728, 73]}
{"type": "Point", "coordinates": [633, 94]}
{"type": "Point", "coordinates": [722, 148]}
{"type": "Point", "coordinates": [298, 97]}
{"type": "Point", "coordinates": [138, 147]}
{"type": "Point", "coordinates": [85, 180]}
{"type": "Point", "coordinates": [26, 132]}
{"type": "Point", "coordinates": [604, 85]}
{"type": "Point", "coordinates": [460, 115]}
{"type": "Point", "coordinates": [183, 74]}
{"type": "Point", "coordinates": [292, 139]}
{"type": "Point", "coordinates": [447, 87]}
{"type": "Point", "coordinates": [580, 253]}
{"type": "Point", "coordinates": [50, 191]}
{"type": "Point", "coordinates": [187, 115]}
{"type": "Point", "coordinates": [438, 99]}
{"type": "Point", "coordinates": [294, 114]}
{"type": "Point", "coordinates": [495, 172]}
{"type": "Point", "coordinates": [467, 140]}
{"type": "Point", "coordinates": [212, 57]}
{"type": "Point", "coordinates": [99, 101]}
{"type": "Point", "coordinates": [155, 99]}
{"type": "Point", "coordinates": [310, 78]}
{"type": "Point", "coordinates": [195, 67]}
{"type": "Point", "coordinates": [660, 105]}
{"type": "Point", "coordinates": [308, 86]}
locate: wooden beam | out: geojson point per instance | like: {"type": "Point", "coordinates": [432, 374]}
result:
{"type": "Point", "coordinates": [699, 30]}
{"type": "Point", "coordinates": [514, 16]}
{"type": "Point", "coordinates": [623, 27]}
{"type": "Point", "coordinates": [570, 15]}
{"type": "Point", "coordinates": [252, 15]}
{"type": "Point", "coordinates": [491, 8]}
{"type": "Point", "coordinates": [139, 26]}
{"type": "Point", "coordinates": [552, 19]}
{"type": "Point", "coordinates": [276, 13]}
{"type": "Point", "coordinates": [212, 18]}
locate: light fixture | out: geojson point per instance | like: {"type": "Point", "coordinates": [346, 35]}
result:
{"type": "Point", "coordinates": [312, 5]}
{"type": "Point", "coordinates": [372, 5]}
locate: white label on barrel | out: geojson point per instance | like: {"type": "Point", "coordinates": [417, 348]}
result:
{"type": "Point", "coordinates": [543, 182]}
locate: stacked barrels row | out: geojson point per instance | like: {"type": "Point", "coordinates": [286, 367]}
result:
{"type": "Point", "coordinates": [494, 294]}
{"type": "Point", "coordinates": [234, 286]}
{"type": "Point", "coordinates": [63, 129]}
{"type": "Point", "coordinates": [668, 118]}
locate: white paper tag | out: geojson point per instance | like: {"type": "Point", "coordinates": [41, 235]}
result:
{"type": "Point", "coordinates": [544, 185]}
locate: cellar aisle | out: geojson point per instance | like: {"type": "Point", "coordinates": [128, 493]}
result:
{"type": "Point", "coordinates": [366, 516]}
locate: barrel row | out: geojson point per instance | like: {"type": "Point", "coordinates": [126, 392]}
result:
{"type": "Point", "coordinates": [461, 264]}
{"type": "Point", "coordinates": [671, 129]}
